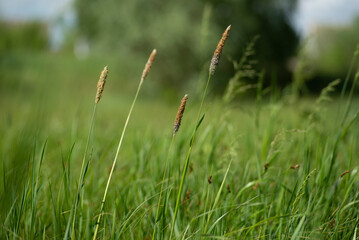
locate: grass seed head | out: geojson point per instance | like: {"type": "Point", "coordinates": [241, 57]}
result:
{"type": "Point", "coordinates": [101, 84]}
{"type": "Point", "coordinates": [266, 166]}
{"type": "Point", "coordinates": [228, 188]}
{"type": "Point", "coordinates": [218, 51]}
{"type": "Point", "coordinates": [148, 64]}
{"type": "Point", "coordinates": [209, 179]}
{"type": "Point", "coordinates": [332, 223]}
{"type": "Point", "coordinates": [179, 115]}
{"type": "Point", "coordinates": [190, 168]}
{"type": "Point", "coordinates": [295, 166]}
{"type": "Point", "coordinates": [344, 173]}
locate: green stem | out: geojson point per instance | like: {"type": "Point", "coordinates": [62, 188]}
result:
{"type": "Point", "coordinates": [340, 129]}
{"type": "Point", "coordinates": [217, 197]}
{"type": "Point", "coordinates": [81, 180]}
{"type": "Point", "coordinates": [162, 183]}
{"type": "Point", "coordinates": [346, 81]}
{"type": "Point", "coordinates": [188, 157]}
{"type": "Point", "coordinates": [115, 160]}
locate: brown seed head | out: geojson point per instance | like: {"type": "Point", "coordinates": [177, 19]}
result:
{"type": "Point", "coordinates": [344, 173]}
{"type": "Point", "coordinates": [101, 84]}
{"type": "Point", "coordinates": [332, 223]}
{"type": "Point", "coordinates": [209, 179]}
{"type": "Point", "coordinates": [190, 168]}
{"type": "Point", "coordinates": [295, 166]}
{"type": "Point", "coordinates": [228, 188]}
{"type": "Point", "coordinates": [187, 198]}
{"type": "Point", "coordinates": [148, 64]}
{"type": "Point", "coordinates": [266, 166]}
{"type": "Point", "coordinates": [179, 115]}
{"type": "Point", "coordinates": [218, 51]}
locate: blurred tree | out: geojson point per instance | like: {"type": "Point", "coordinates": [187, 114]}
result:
{"type": "Point", "coordinates": [331, 52]}
{"type": "Point", "coordinates": [327, 55]}
{"type": "Point", "coordinates": [186, 32]}
{"type": "Point", "coordinates": [23, 36]}
{"type": "Point", "coordinates": [130, 29]}
{"type": "Point", "coordinates": [271, 20]}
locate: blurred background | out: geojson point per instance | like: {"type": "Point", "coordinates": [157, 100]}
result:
{"type": "Point", "coordinates": [53, 51]}
{"type": "Point", "coordinates": [48, 48]}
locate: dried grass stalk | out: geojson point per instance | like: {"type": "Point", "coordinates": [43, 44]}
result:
{"type": "Point", "coordinates": [101, 84]}
{"type": "Point", "coordinates": [148, 64]}
{"type": "Point", "coordinates": [218, 51]}
{"type": "Point", "coordinates": [179, 115]}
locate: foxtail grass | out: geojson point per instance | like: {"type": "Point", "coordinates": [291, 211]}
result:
{"type": "Point", "coordinates": [84, 166]}
{"type": "Point", "coordinates": [176, 127]}
{"type": "Point", "coordinates": [214, 62]}
{"type": "Point", "coordinates": [179, 115]}
{"type": "Point", "coordinates": [144, 75]}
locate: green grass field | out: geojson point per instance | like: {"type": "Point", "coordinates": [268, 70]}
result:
{"type": "Point", "coordinates": [262, 168]}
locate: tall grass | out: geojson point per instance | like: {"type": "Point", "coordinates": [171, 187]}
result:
{"type": "Point", "coordinates": [86, 160]}
{"type": "Point", "coordinates": [176, 127]}
{"type": "Point", "coordinates": [265, 169]}
{"type": "Point", "coordinates": [143, 77]}
{"type": "Point", "coordinates": [212, 68]}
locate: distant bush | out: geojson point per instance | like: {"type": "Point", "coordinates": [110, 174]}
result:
{"type": "Point", "coordinates": [329, 53]}
{"type": "Point", "coordinates": [183, 32]}
{"type": "Point", "coordinates": [23, 36]}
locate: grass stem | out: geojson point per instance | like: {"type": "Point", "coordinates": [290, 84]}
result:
{"type": "Point", "coordinates": [162, 183]}
{"type": "Point", "coordinates": [115, 160]}
{"type": "Point", "coordinates": [184, 173]}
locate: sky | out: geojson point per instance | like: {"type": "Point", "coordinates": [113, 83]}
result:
{"type": "Point", "coordinates": [310, 12]}
{"type": "Point", "coordinates": [33, 9]}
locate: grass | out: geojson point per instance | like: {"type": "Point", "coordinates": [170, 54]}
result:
{"type": "Point", "coordinates": [249, 149]}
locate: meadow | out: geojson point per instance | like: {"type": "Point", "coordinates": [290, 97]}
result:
{"type": "Point", "coordinates": [264, 167]}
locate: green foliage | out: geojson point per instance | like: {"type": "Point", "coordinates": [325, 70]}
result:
{"type": "Point", "coordinates": [23, 36]}
{"type": "Point", "coordinates": [257, 171]}
{"type": "Point", "coordinates": [45, 123]}
{"type": "Point", "coordinates": [183, 32]}
{"type": "Point", "coordinates": [245, 73]}
{"type": "Point", "coordinates": [271, 21]}
{"type": "Point", "coordinates": [329, 52]}
{"type": "Point", "coordinates": [129, 29]}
